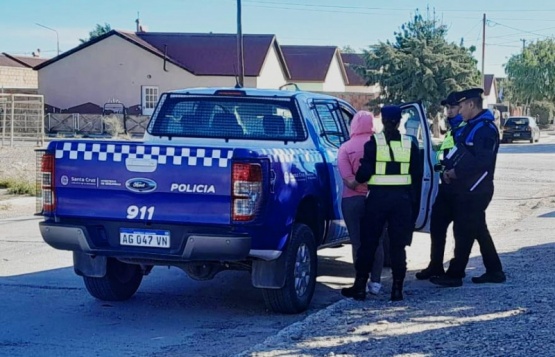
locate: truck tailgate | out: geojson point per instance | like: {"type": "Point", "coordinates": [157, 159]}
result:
{"type": "Point", "coordinates": [123, 180]}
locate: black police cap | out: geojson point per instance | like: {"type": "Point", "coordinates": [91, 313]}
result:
{"type": "Point", "coordinates": [452, 99]}
{"type": "Point", "coordinates": [469, 94]}
{"type": "Point", "coordinates": [391, 113]}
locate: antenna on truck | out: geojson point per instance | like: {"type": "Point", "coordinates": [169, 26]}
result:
{"type": "Point", "coordinates": [240, 54]}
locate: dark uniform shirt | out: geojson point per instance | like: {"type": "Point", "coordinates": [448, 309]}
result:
{"type": "Point", "coordinates": [480, 139]}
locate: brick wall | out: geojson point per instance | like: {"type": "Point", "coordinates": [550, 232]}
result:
{"type": "Point", "coordinates": [16, 77]}
{"type": "Point", "coordinates": [357, 100]}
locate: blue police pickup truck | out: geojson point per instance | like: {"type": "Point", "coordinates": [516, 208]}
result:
{"type": "Point", "coordinates": [242, 179]}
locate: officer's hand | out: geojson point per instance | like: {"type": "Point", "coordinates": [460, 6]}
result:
{"type": "Point", "coordinates": [446, 178]}
{"type": "Point", "coordinates": [449, 175]}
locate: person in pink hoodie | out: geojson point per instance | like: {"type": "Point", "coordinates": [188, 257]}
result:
{"type": "Point", "coordinates": [352, 203]}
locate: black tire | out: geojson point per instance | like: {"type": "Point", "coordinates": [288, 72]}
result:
{"type": "Point", "coordinates": [120, 282]}
{"type": "Point", "coordinates": [532, 139]}
{"type": "Point", "coordinates": [300, 274]}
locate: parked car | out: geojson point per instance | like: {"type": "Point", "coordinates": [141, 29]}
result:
{"type": "Point", "coordinates": [521, 128]}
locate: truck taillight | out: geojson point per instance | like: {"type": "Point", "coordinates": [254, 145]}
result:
{"type": "Point", "coordinates": [47, 182]}
{"type": "Point", "coordinates": [246, 190]}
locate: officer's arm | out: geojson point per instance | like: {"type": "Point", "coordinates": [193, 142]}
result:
{"type": "Point", "coordinates": [367, 163]}
{"type": "Point", "coordinates": [485, 148]}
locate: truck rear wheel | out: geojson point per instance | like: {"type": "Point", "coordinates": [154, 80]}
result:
{"type": "Point", "coordinates": [120, 282]}
{"type": "Point", "coordinates": [300, 274]}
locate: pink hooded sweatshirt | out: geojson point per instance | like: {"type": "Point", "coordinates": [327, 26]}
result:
{"type": "Point", "coordinates": [351, 151]}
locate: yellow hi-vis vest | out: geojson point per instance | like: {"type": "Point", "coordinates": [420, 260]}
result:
{"type": "Point", "coordinates": [447, 144]}
{"type": "Point", "coordinates": [401, 153]}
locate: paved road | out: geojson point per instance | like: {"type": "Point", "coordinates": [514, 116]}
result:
{"type": "Point", "coordinates": [47, 312]}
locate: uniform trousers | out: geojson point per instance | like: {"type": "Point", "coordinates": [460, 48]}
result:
{"type": "Point", "coordinates": [392, 206]}
{"type": "Point", "coordinates": [353, 213]}
{"type": "Point", "coordinates": [469, 225]}
{"type": "Point", "coordinates": [443, 214]}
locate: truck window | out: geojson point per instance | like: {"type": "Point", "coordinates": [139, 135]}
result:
{"type": "Point", "coordinates": [251, 118]}
{"type": "Point", "coordinates": [411, 126]}
{"type": "Point", "coordinates": [333, 126]}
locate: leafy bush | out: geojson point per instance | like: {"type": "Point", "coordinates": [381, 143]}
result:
{"type": "Point", "coordinates": [543, 111]}
{"type": "Point", "coordinates": [113, 125]}
{"type": "Point", "coordinates": [18, 186]}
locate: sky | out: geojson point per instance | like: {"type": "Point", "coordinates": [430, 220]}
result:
{"type": "Point", "coordinates": [510, 24]}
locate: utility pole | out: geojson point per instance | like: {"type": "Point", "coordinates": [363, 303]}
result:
{"type": "Point", "coordinates": [523, 44]}
{"type": "Point", "coordinates": [240, 54]}
{"type": "Point", "coordinates": [483, 50]}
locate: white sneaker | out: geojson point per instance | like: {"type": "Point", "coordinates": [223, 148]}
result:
{"type": "Point", "coordinates": [374, 288]}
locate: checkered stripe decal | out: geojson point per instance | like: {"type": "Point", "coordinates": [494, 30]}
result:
{"type": "Point", "coordinates": [162, 154]}
{"type": "Point", "coordinates": [291, 155]}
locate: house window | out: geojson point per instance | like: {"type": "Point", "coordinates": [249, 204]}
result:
{"type": "Point", "coordinates": [149, 98]}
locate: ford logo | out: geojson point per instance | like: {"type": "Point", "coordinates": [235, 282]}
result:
{"type": "Point", "coordinates": [141, 185]}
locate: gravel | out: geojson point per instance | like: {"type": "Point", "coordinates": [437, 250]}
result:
{"type": "Point", "coordinates": [512, 319]}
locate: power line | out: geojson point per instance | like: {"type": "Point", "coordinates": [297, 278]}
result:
{"type": "Point", "coordinates": [391, 9]}
{"type": "Point", "coordinates": [516, 29]}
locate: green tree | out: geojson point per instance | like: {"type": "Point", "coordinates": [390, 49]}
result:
{"type": "Point", "coordinates": [532, 73]}
{"type": "Point", "coordinates": [348, 49]}
{"type": "Point", "coordinates": [99, 30]}
{"type": "Point", "coordinates": [420, 65]}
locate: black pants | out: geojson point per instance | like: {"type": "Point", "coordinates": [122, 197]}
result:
{"type": "Point", "coordinates": [469, 225]}
{"type": "Point", "coordinates": [443, 214]}
{"type": "Point", "coordinates": [393, 207]}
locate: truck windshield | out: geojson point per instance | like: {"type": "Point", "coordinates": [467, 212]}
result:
{"type": "Point", "coordinates": [256, 118]}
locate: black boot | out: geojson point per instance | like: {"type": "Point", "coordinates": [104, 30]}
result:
{"type": "Point", "coordinates": [429, 272]}
{"type": "Point", "coordinates": [397, 290]}
{"type": "Point", "coordinates": [358, 290]}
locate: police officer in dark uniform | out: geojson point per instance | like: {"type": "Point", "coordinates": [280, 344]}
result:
{"type": "Point", "coordinates": [470, 168]}
{"type": "Point", "coordinates": [443, 210]}
{"type": "Point", "coordinates": [391, 167]}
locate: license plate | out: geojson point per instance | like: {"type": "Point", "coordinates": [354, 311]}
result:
{"type": "Point", "coordinates": [144, 238]}
{"type": "Point", "coordinates": [516, 134]}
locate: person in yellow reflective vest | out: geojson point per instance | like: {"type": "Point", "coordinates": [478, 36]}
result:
{"type": "Point", "coordinates": [392, 169]}
{"type": "Point", "coordinates": [443, 208]}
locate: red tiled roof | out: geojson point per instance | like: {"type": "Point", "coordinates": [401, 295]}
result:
{"type": "Point", "coordinates": [353, 58]}
{"type": "Point", "coordinates": [25, 61]}
{"type": "Point", "coordinates": [200, 54]}
{"type": "Point", "coordinates": [211, 54]}
{"type": "Point", "coordinates": [30, 62]}
{"type": "Point", "coordinates": [351, 61]}
{"type": "Point", "coordinates": [6, 61]}
{"type": "Point", "coordinates": [308, 63]}
{"type": "Point", "coordinates": [85, 108]}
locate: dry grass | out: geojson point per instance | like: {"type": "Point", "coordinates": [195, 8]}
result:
{"type": "Point", "coordinates": [17, 170]}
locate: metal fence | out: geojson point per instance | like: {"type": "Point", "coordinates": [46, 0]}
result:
{"type": "Point", "coordinates": [94, 124]}
{"type": "Point", "coordinates": [21, 118]}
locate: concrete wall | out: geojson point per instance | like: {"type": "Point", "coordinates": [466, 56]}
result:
{"type": "Point", "coordinates": [18, 77]}
{"type": "Point", "coordinates": [334, 82]}
{"type": "Point", "coordinates": [271, 74]}
{"type": "Point", "coordinates": [310, 86]}
{"type": "Point", "coordinates": [114, 68]}
{"type": "Point", "coordinates": [358, 100]}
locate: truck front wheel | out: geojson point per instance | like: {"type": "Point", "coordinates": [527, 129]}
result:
{"type": "Point", "coordinates": [120, 282]}
{"type": "Point", "coordinates": [300, 274]}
